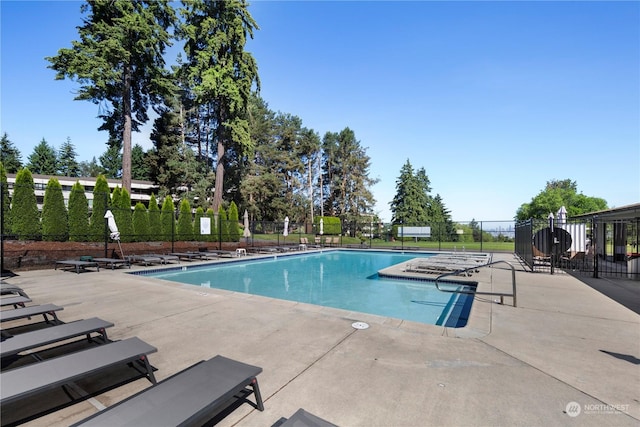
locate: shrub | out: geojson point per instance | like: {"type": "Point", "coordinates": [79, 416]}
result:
{"type": "Point", "coordinates": [140, 223]}
{"type": "Point", "coordinates": [166, 219]}
{"type": "Point", "coordinates": [101, 201]}
{"type": "Point", "coordinates": [234, 225]}
{"type": "Point", "coordinates": [185, 226]}
{"type": "Point", "coordinates": [55, 222]}
{"type": "Point", "coordinates": [155, 226]}
{"type": "Point", "coordinates": [25, 218]}
{"type": "Point", "coordinates": [124, 218]}
{"type": "Point", "coordinates": [223, 225]}
{"type": "Point", "coordinates": [78, 214]}
{"type": "Point", "coordinates": [4, 196]}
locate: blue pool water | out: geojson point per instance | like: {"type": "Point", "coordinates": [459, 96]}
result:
{"type": "Point", "coordinates": [340, 279]}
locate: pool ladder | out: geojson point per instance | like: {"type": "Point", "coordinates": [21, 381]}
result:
{"type": "Point", "coordinates": [465, 270]}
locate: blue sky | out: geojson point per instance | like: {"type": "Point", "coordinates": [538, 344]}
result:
{"type": "Point", "coordinates": [493, 99]}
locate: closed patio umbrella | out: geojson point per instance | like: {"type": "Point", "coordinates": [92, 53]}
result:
{"type": "Point", "coordinates": [246, 232]}
{"type": "Point", "coordinates": [321, 226]}
{"type": "Point", "coordinates": [285, 232]}
{"type": "Point", "coordinates": [113, 227]}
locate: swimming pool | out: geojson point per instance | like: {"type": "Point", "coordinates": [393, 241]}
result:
{"type": "Point", "coordinates": [341, 279]}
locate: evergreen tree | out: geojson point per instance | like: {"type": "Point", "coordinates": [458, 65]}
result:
{"type": "Point", "coordinates": [43, 160]}
{"type": "Point", "coordinates": [213, 237]}
{"type": "Point", "coordinates": [185, 226]}
{"type": "Point", "coordinates": [223, 225]}
{"type": "Point", "coordinates": [101, 202]}
{"type": "Point", "coordinates": [139, 164]}
{"type": "Point", "coordinates": [67, 164]}
{"type": "Point", "coordinates": [78, 214]}
{"type": "Point", "coordinates": [167, 219]}
{"type": "Point", "coordinates": [234, 225]}
{"type": "Point", "coordinates": [155, 226]}
{"type": "Point", "coordinates": [141, 223]}
{"type": "Point", "coordinates": [111, 162]}
{"type": "Point", "coordinates": [5, 202]}
{"type": "Point", "coordinates": [410, 204]}
{"type": "Point", "coordinates": [119, 59]}
{"type": "Point", "coordinates": [55, 221]}
{"type": "Point", "coordinates": [25, 217]}
{"type": "Point", "coordinates": [196, 224]}
{"type": "Point", "coordinates": [125, 226]}
{"type": "Point", "coordinates": [89, 169]}
{"type": "Point", "coordinates": [10, 155]}
{"type": "Point", "coordinates": [221, 74]}
{"type": "Point", "coordinates": [346, 181]}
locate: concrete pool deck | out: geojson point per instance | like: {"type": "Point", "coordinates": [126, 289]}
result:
{"type": "Point", "coordinates": [565, 347]}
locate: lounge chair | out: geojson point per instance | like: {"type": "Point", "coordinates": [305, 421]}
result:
{"type": "Point", "coordinates": [190, 397]}
{"type": "Point", "coordinates": [32, 379]}
{"type": "Point", "coordinates": [30, 340]}
{"type": "Point", "coordinates": [189, 255]}
{"type": "Point", "coordinates": [146, 260]}
{"type": "Point", "coordinates": [8, 289]}
{"type": "Point", "coordinates": [113, 262]}
{"type": "Point", "coordinates": [78, 266]}
{"type": "Point", "coordinates": [34, 310]}
{"type": "Point", "coordinates": [302, 418]}
{"type": "Point", "coordinates": [17, 301]}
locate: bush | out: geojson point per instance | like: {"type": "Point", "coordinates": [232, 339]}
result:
{"type": "Point", "coordinates": [155, 225]}
{"type": "Point", "coordinates": [166, 219]}
{"type": "Point", "coordinates": [101, 201]}
{"type": "Point", "coordinates": [25, 218]}
{"type": "Point", "coordinates": [140, 223]}
{"type": "Point", "coordinates": [78, 214]}
{"type": "Point", "coordinates": [55, 222]}
{"type": "Point", "coordinates": [125, 224]}
{"type": "Point", "coordinates": [234, 225]}
{"type": "Point", "coordinates": [185, 226]}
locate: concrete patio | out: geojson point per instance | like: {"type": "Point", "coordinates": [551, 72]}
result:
{"type": "Point", "coordinates": [567, 354]}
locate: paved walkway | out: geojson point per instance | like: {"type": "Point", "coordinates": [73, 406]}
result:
{"type": "Point", "coordinates": [566, 354]}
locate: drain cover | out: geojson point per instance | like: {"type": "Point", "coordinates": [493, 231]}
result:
{"type": "Point", "coordinates": [360, 325]}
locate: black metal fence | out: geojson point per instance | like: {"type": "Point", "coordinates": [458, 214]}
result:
{"type": "Point", "coordinates": [592, 247]}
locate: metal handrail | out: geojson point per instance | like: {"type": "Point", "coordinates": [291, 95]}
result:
{"type": "Point", "coordinates": [500, 294]}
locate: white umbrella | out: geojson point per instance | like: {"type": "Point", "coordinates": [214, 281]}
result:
{"type": "Point", "coordinates": [321, 226]}
{"type": "Point", "coordinates": [561, 216]}
{"type": "Point", "coordinates": [246, 232]}
{"type": "Point", "coordinates": [285, 232]}
{"type": "Point", "coordinates": [113, 227]}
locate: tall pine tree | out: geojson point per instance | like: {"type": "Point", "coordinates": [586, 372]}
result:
{"type": "Point", "coordinates": [119, 59]}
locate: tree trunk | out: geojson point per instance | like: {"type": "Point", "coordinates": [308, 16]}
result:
{"type": "Point", "coordinates": [217, 192]}
{"type": "Point", "coordinates": [126, 132]}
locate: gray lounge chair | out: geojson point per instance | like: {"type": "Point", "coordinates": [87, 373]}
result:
{"type": "Point", "coordinates": [30, 340]}
{"type": "Point", "coordinates": [302, 418]}
{"type": "Point", "coordinates": [75, 265]}
{"type": "Point", "coordinates": [8, 289]}
{"type": "Point", "coordinates": [189, 398]}
{"type": "Point", "coordinates": [146, 260]}
{"type": "Point", "coordinates": [34, 310]}
{"type": "Point", "coordinates": [113, 262]}
{"type": "Point", "coordinates": [31, 379]}
{"type": "Point", "coordinates": [17, 301]}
